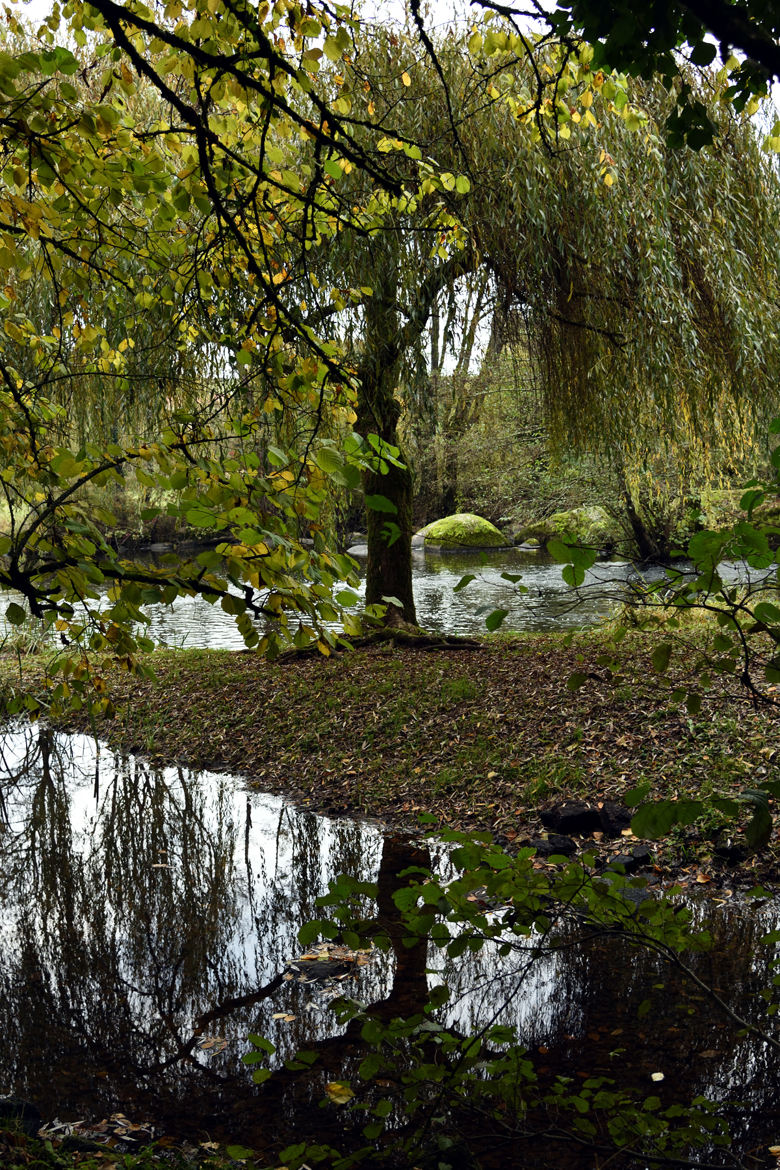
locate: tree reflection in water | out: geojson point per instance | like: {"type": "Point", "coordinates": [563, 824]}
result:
{"type": "Point", "coordinates": [147, 914]}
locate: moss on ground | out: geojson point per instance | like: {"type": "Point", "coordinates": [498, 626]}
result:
{"type": "Point", "coordinates": [20, 1152]}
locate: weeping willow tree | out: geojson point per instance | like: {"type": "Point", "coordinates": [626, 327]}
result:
{"type": "Point", "coordinates": [647, 277]}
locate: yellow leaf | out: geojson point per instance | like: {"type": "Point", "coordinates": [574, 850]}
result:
{"type": "Point", "coordinates": [339, 1092]}
{"type": "Point", "coordinates": [405, 78]}
{"type": "Point", "coordinates": [609, 179]}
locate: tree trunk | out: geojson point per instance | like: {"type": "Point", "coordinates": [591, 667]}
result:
{"type": "Point", "coordinates": [646, 545]}
{"type": "Point", "coordinates": [389, 568]}
{"type": "Point", "coordinates": [386, 341]}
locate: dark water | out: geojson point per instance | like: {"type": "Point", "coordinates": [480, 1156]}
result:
{"type": "Point", "coordinates": [147, 917]}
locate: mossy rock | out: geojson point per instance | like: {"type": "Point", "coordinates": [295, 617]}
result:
{"type": "Point", "coordinates": [462, 530]}
{"type": "Point", "coordinates": [590, 525]}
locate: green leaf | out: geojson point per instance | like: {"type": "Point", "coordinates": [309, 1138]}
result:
{"type": "Point", "coordinates": [390, 533]}
{"type": "Point", "coordinates": [576, 680]}
{"type": "Point", "coordinates": [329, 460]}
{"type": "Point", "coordinates": [635, 796]}
{"type": "Point", "coordinates": [573, 575]}
{"type": "Point", "coordinates": [347, 597]}
{"type": "Point", "coordinates": [465, 580]}
{"type": "Point", "coordinates": [309, 933]}
{"type": "Point", "coordinates": [381, 504]}
{"type": "Point", "coordinates": [239, 1153]}
{"type": "Point", "coordinates": [559, 551]}
{"type": "Point", "coordinates": [759, 829]}
{"type": "Point", "coordinates": [704, 53]}
{"type": "Point", "coordinates": [661, 656]}
{"type": "Point", "coordinates": [15, 614]}
{"type": "Point", "coordinates": [693, 703]}
{"type": "Point", "coordinates": [261, 1042]}
{"type": "Point", "coordinates": [496, 619]}
{"type": "Point", "coordinates": [751, 499]}
{"type": "Point", "coordinates": [767, 613]}
{"type": "Point", "coordinates": [656, 819]}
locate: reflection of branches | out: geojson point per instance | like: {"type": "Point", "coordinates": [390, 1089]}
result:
{"type": "Point", "coordinates": [220, 1012]}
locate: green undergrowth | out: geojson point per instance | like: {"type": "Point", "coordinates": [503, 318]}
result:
{"type": "Point", "coordinates": [479, 737]}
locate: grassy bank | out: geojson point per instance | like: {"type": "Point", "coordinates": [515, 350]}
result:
{"type": "Point", "coordinates": [480, 737]}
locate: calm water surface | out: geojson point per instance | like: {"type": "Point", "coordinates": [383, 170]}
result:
{"type": "Point", "coordinates": [148, 916]}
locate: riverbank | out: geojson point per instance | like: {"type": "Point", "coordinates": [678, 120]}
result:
{"type": "Point", "coordinates": [480, 737]}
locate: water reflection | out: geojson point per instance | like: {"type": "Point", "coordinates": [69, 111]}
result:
{"type": "Point", "coordinates": [134, 901]}
{"type": "Point", "coordinates": [147, 916]}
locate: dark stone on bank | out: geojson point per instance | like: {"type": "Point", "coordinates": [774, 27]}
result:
{"type": "Point", "coordinates": [573, 817]}
{"type": "Point", "coordinates": [639, 857]}
{"type": "Point", "coordinates": [732, 852]}
{"type": "Point", "coordinates": [553, 843]}
{"type": "Point", "coordinates": [18, 1114]}
{"type": "Point", "coordinates": [614, 818]}
{"type": "Point", "coordinates": [578, 818]}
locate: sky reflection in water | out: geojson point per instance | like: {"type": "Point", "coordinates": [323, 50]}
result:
{"type": "Point", "coordinates": [140, 904]}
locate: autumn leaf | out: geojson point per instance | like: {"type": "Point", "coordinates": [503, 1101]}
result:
{"type": "Point", "coordinates": [339, 1092]}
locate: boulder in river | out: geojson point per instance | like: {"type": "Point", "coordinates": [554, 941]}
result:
{"type": "Point", "coordinates": [590, 526]}
{"type": "Point", "coordinates": [463, 530]}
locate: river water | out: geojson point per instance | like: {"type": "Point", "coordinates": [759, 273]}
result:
{"type": "Point", "coordinates": [540, 600]}
{"type": "Point", "coordinates": [148, 917]}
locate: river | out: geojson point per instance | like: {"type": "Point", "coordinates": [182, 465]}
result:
{"type": "Point", "coordinates": [539, 601]}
